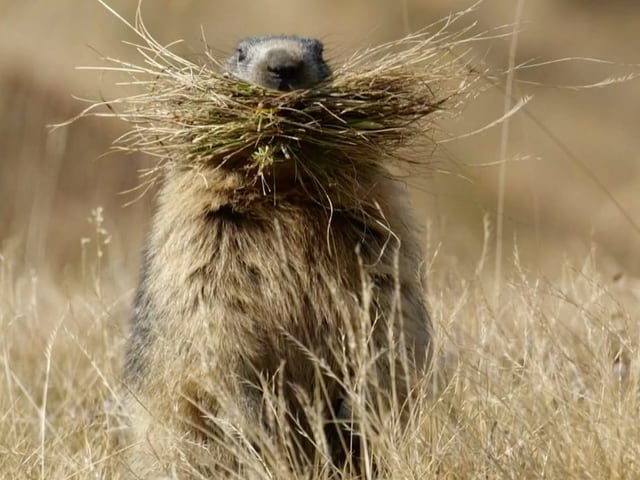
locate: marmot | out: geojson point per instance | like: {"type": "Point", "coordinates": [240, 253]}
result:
{"type": "Point", "coordinates": [244, 294]}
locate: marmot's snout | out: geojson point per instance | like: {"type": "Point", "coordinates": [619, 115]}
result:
{"type": "Point", "coordinates": [280, 62]}
{"type": "Point", "coordinates": [286, 70]}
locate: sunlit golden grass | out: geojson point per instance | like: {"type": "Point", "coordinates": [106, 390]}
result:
{"type": "Point", "coordinates": [542, 384]}
{"type": "Point", "coordinates": [538, 382]}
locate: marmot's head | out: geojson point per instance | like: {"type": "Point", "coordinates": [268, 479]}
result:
{"type": "Point", "coordinates": [279, 62]}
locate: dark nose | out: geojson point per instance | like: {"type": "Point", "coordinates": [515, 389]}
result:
{"type": "Point", "coordinates": [285, 69]}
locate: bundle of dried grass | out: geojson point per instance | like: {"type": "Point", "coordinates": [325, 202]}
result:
{"type": "Point", "coordinates": [375, 103]}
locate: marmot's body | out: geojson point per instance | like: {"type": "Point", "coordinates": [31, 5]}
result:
{"type": "Point", "coordinates": [240, 291]}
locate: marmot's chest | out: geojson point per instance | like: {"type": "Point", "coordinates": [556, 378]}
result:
{"type": "Point", "coordinates": [288, 254]}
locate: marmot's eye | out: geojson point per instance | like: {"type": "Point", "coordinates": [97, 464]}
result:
{"type": "Point", "coordinates": [242, 54]}
{"type": "Point", "coordinates": [318, 48]}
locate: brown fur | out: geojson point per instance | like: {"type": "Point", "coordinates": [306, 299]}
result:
{"type": "Point", "coordinates": [244, 292]}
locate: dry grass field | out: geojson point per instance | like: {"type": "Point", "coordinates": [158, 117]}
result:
{"type": "Point", "coordinates": [537, 334]}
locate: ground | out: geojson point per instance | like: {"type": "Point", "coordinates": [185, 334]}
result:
{"type": "Point", "coordinates": [539, 363]}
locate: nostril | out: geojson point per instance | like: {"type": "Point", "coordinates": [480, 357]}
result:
{"type": "Point", "coordinates": [284, 72]}
{"type": "Point", "coordinates": [285, 69]}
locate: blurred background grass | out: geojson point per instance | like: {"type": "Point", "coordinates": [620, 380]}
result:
{"type": "Point", "coordinates": [50, 182]}
{"type": "Point", "coordinates": [65, 294]}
